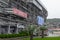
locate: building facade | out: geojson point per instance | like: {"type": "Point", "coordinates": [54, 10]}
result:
{"type": "Point", "coordinates": [17, 14]}
{"type": "Point", "coordinates": [53, 27]}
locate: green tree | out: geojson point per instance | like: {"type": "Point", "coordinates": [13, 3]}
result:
{"type": "Point", "coordinates": [43, 28]}
{"type": "Point", "coordinates": [31, 29]}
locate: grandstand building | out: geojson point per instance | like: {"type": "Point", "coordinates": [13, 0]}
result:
{"type": "Point", "coordinates": [16, 14]}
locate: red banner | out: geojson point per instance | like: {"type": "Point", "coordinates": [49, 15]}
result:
{"type": "Point", "coordinates": [19, 13]}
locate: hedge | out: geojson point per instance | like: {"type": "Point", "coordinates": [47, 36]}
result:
{"type": "Point", "coordinates": [20, 34]}
{"type": "Point", "coordinates": [11, 35]}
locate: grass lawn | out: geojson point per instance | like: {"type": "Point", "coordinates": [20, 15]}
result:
{"type": "Point", "coordinates": [47, 38]}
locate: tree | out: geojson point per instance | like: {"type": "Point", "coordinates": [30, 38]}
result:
{"type": "Point", "coordinates": [31, 29]}
{"type": "Point", "coordinates": [43, 28]}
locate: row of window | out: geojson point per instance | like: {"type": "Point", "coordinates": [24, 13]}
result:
{"type": "Point", "coordinates": [13, 4]}
{"type": "Point", "coordinates": [29, 7]}
{"type": "Point", "coordinates": [3, 4]}
{"type": "Point", "coordinates": [6, 16]}
{"type": "Point", "coordinates": [23, 6]}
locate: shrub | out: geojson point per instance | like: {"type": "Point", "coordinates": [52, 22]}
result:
{"type": "Point", "coordinates": [21, 34]}
{"type": "Point", "coordinates": [8, 35]}
{"type": "Point", "coordinates": [24, 33]}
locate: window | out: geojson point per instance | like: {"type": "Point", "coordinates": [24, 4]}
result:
{"type": "Point", "coordinates": [16, 0]}
{"type": "Point", "coordinates": [13, 4]}
{"type": "Point", "coordinates": [2, 4]}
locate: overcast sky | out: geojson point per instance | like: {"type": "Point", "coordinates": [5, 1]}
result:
{"type": "Point", "coordinates": [53, 8]}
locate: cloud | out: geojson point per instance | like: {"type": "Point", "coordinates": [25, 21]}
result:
{"type": "Point", "coordinates": [53, 8]}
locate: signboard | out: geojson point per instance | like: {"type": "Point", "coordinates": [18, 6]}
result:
{"type": "Point", "coordinates": [40, 20]}
{"type": "Point", "coordinates": [19, 13]}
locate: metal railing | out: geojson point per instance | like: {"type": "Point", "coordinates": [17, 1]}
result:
{"type": "Point", "coordinates": [4, 1]}
{"type": "Point", "coordinates": [6, 10]}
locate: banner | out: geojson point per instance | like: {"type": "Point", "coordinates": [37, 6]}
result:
{"type": "Point", "coordinates": [19, 13]}
{"type": "Point", "coordinates": [40, 20]}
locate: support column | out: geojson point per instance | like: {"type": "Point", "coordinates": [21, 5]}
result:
{"type": "Point", "coordinates": [16, 30]}
{"type": "Point", "coordinates": [0, 30]}
{"type": "Point", "coordinates": [8, 29]}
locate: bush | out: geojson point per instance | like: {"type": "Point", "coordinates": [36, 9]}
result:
{"type": "Point", "coordinates": [24, 33]}
{"type": "Point", "coordinates": [9, 35]}
{"type": "Point", "coordinates": [21, 34]}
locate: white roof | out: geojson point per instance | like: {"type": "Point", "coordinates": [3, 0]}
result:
{"type": "Point", "coordinates": [41, 3]}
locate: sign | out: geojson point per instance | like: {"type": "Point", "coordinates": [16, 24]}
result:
{"type": "Point", "coordinates": [40, 20]}
{"type": "Point", "coordinates": [19, 13]}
